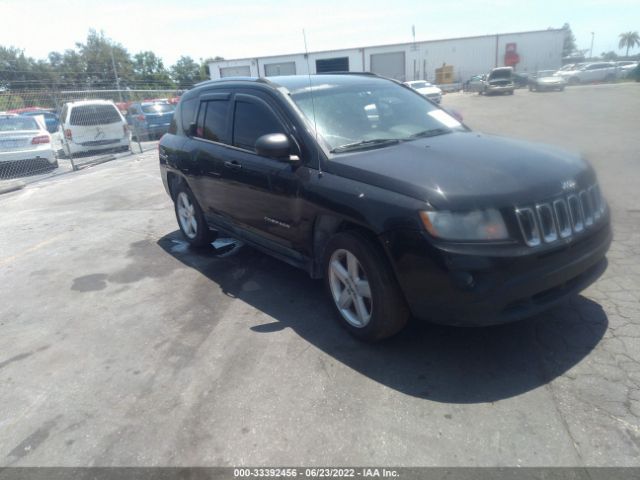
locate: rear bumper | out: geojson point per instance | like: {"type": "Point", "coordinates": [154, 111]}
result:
{"type": "Point", "coordinates": [26, 155]}
{"type": "Point", "coordinates": [74, 148]}
{"type": "Point", "coordinates": [473, 290]}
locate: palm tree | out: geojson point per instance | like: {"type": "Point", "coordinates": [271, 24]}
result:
{"type": "Point", "coordinates": [629, 40]}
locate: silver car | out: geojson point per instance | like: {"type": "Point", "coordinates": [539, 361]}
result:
{"type": "Point", "coordinates": [591, 72]}
{"type": "Point", "coordinates": [546, 80]}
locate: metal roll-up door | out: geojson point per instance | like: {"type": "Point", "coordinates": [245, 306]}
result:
{"type": "Point", "coordinates": [390, 65]}
{"type": "Point", "coordinates": [242, 71]}
{"type": "Point", "coordinates": [284, 68]}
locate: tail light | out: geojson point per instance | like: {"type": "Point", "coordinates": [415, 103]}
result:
{"type": "Point", "coordinates": [67, 134]}
{"type": "Point", "coordinates": [140, 117]}
{"type": "Point", "coordinates": [40, 139]}
{"type": "Point", "coordinates": [125, 129]}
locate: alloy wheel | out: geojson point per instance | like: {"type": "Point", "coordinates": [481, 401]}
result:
{"type": "Point", "coordinates": [350, 288]}
{"type": "Point", "coordinates": [187, 215]}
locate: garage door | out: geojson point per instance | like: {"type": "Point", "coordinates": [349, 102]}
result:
{"type": "Point", "coordinates": [389, 65]}
{"type": "Point", "coordinates": [243, 71]}
{"type": "Point", "coordinates": [326, 65]}
{"type": "Point", "coordinates": [285, 68]}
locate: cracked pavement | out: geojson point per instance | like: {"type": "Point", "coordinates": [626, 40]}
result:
{"type": "Point", "coordinates": [120, 346]}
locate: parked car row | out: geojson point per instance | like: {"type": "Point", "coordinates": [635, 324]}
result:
{"type": "Point", "coordinates": [504, 79]}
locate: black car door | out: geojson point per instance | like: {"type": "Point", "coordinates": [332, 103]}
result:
{"type": "Point", "coordinates": [210, 146]}
{"type": "Point", "coordinates": [262, 194]}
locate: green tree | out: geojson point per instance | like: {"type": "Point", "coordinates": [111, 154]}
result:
{"type": "Point", "coordinates": [628, 40]}
{"type": "Point", "coordinates": [609, 56]}
{"type": "Point", "coordinates": [149, 71]}
{"type": "Point", "coordinates": [99, 55]}
{"type": "Point", "coordinates": [185, 72]}
{"type": "Point", "coordinates": [569, 45]}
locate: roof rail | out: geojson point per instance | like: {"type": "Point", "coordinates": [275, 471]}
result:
{"type": "Point", "coordinates": [368, 74]}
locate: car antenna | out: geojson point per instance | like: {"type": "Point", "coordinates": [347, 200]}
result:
{"type": "Point", "coordinates": [313, 103]}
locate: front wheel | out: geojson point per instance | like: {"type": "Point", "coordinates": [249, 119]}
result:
{"type": "Point", "coordinates": [191, 219]}
{"type": "Point", "coordinates": [363, 288]}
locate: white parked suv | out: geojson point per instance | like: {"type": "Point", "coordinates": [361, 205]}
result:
{"type": "Point", "coordinates": [591, 72]}
{"type": "Point", "coordinates": [430, 91]}
{"type": "Point", "coordinates": [93, 125]}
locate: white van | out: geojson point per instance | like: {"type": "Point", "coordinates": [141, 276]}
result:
{"type": "Point", "coordinates": [93, 125]}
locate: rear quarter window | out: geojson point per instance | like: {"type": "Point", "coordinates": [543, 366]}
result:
{"type": "Point", "coordinates": [94, 115]}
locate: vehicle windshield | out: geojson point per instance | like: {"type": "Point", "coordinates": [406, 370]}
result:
{"type": "Point", "coordinates": [14, 124]}
{"type": "Point", "coordinates": [546, 73]}
{"type": "Point", "coordinates": [372, 114]}
{"type": "Point", "coordinates": [158, 108]}
{"type": "Point", "coordinates": [419, 84]}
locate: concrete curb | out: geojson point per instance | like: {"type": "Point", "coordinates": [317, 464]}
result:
{"type": "Point", "coordinates": [12, 187]}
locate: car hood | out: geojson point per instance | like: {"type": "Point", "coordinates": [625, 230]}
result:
{"type": "Point", "coordinates": [551, 79]}
{"type": "Point", "coordinates": [428, 90]}
{"type": "Point", "coordinates": [465, 170]}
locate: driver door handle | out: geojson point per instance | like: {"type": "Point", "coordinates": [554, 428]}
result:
{"type": "Point", "coordinates": [233, 165]}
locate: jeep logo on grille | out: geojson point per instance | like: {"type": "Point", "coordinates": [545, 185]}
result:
{"type": "Point", "coordinates": [568, 185]}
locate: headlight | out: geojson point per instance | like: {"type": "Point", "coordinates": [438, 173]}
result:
{"type": "Point", "coordinates": [473, 225]}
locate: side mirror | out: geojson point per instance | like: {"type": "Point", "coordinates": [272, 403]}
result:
{"type": "Point", "coordinates": [193, 129]}
{"type": "Point", "coordinates": [274, 145]}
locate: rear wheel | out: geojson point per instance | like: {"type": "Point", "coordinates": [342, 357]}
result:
{"type": "Point", "coordinates": [363, 287]}
{"type": "Point", "coordinates": [190, 218]}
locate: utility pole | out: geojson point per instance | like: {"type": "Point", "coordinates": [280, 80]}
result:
{"type": "Point", "coordinates": [591, 51]}
{"type": "Point", "coordinates": [115, 73]}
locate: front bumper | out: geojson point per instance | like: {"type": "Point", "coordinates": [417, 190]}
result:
{"type": "Point", "coordinates": [549, 86]}
{"type": "Point", "coordinates": [499, 88]}
{"type": "Point", "coordinates": [476, 290]}
{"type": "Point", "coordinates": [435, 97]}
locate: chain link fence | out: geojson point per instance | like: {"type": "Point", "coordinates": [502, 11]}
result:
{"type": "Point", "coordinates": [47, 132]}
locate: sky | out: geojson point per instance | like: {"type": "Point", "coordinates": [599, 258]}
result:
{"type": "Point", "coordinates": [250, 28]}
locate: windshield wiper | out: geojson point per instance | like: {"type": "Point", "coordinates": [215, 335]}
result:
{"type": "Point", "coordinates": [432, 132]}
{"type": "Point", "coordinates": [375, 142]}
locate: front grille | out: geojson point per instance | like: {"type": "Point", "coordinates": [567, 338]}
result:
{"type": "Point", "coordinates": [560, 218]}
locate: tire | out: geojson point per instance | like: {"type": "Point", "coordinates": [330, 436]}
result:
{"type": "Point", "coordinates": [561, 89]}
{"type": "Point", "coordinates": [610, 78]}
{"type": "Point", "coordinates": [531, 88]}
{"type": "Point", "coordinates": [190, 218]}
{"type": "Point", "coordinates": [378, 315]}
{"type": "Point", "coordinates": [511, 92]}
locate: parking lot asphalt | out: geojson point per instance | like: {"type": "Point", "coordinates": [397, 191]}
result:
{"type": "Point", "coordinates": [120, 346]}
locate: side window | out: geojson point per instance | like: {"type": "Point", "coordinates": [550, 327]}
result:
{"type": "Point", "coordinates": [251, 121]}
{"type": "Point", "coordinates": [215, 120]}
{"type": "Point", "coordinates": [188, 114]}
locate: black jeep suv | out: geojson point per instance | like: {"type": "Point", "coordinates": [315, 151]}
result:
{"type": "Point", "coordinates": [398, 206]}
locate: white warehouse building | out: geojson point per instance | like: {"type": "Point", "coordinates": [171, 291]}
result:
{"type": "Point", "coordinates": [526, 51]}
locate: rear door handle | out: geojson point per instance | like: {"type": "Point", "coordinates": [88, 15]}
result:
{"type": "Point", "coordinates": [233, 165]}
